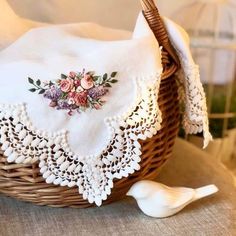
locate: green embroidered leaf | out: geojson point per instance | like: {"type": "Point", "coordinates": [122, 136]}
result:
{"type": "Point", "coordinates": [101, 102]}
{"type": "Point", "coordinates": [79, 75]}
{"type": "Point", "coordinates": [64, 95]}
{"type": "Point", "coordinates": [38, 82]}
{"type": "Point", "coordinates": [31, 81]}
{"type": "Point", "coordinates": [50, 83]}
{"type": "Point", "coordinates": [32, 90]}
{"type": "Point", "coordinates": [107, 85]}
{"type": "Point", "coordinates": [96, 78]}
{"type": "Point", "coordinates": [114, 81]}
{"type": "Point", "coordinates": [91, 72]}
{"type": "Point", "coordinates": [41, 91]}
{"type": "Point", "coordinates": [113, 74]}
{"type": "Point", "coordinates": [90, 99]}
{"type": "Point", "coordinates": [90, 105]}
{"type": "Point", "coordinates": [100, 80]}
{"type": "Point", "coordinates": [63, 76]}
{"type": "Point", "coordinates": [105, 76]}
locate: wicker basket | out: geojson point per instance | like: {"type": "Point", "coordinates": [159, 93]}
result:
{"type": "Point", "coordinates": [25, 182]}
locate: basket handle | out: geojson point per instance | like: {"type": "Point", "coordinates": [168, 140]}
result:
{"type": "Point", "coordinates": [170, 60]}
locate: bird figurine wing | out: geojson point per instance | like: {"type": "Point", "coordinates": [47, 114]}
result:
{"type": "Point", "coordinates": [175, 197]}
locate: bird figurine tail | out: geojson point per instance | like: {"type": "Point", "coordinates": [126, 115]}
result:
{"type": "Point", "coordinates": [205, 191]}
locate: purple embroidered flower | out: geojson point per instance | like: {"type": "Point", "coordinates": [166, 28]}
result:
{"type": "Point", "coordinates": [54, 93]}
{"type": "Point", "coordinates": [97, 92]}
{"type": "Point", "coordinates": [63, 105]}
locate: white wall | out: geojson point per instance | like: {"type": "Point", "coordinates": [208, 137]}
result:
{"type": "Point", "coordinates": [115, 13]}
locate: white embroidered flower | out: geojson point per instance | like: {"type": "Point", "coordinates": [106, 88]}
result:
{"type": "Point", "coordinates": [79, 89]}
{"type": "Point", "coordinates": [71, 101]}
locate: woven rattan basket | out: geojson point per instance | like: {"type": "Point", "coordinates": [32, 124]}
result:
{"type": "Point", "coordinates": [25, 182]}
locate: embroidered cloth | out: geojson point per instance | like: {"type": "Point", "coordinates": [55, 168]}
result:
{"type": "Point", "coordinates": [78, 98]}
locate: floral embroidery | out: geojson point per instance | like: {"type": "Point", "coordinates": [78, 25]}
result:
{"type": "Point", "coordinates": [75, 92]}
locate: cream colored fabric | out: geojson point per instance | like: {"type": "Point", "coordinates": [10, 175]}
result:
{"type": "Point", "coordinates": [11, 25]}
{"type": "Point", "coordinates": [213, 216]}
{"type": "Point", "coordinates": [77, 47]}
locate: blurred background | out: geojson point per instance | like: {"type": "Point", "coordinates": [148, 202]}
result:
{"type": "Point", "coordinates": [119, 14]}
{"type": "Point", "coordinates": [211, 25]}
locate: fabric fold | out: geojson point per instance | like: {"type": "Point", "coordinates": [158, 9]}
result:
{"type": "Point", "coordinates": [195, 119]}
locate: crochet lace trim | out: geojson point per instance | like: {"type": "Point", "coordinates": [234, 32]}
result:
{"type": "Point", "coordinates": [195, 119]}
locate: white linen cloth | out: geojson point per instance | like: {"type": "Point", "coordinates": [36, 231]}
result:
{"type": "Point", "coordinates": [45, 53]}
{"type": "Point", "coordinates": [92, 148]}
{"type": "Point", "coordinates": [195, 118]}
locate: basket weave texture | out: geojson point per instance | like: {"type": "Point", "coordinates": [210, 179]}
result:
{"type": "Point", "coordinates": [25, 182]}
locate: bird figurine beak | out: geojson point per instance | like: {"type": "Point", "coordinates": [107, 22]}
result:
{"type": "Point", "coordinates": [129, 193]}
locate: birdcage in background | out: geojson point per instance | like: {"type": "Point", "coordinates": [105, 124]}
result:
{"type": "Point", "coordinates": [211, 25]}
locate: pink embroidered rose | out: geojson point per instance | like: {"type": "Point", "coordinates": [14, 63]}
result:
{"type": "Point", "coordinates": [77, 83]}
{"type": "Point", "coordinates": [71, 94]}
{"type": "Point", "coordinates": [81, 98]}
{"type": "Point", "coordinates": [87, 81]}
{"type": "Point", "coordinates": [66, 85]}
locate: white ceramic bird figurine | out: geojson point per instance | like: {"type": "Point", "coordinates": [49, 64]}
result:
{"type": "Point", "coordinates": [160, 201]}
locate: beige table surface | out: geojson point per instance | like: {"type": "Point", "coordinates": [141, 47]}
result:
{"type": "Point", "coordinates": [190, 166]}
